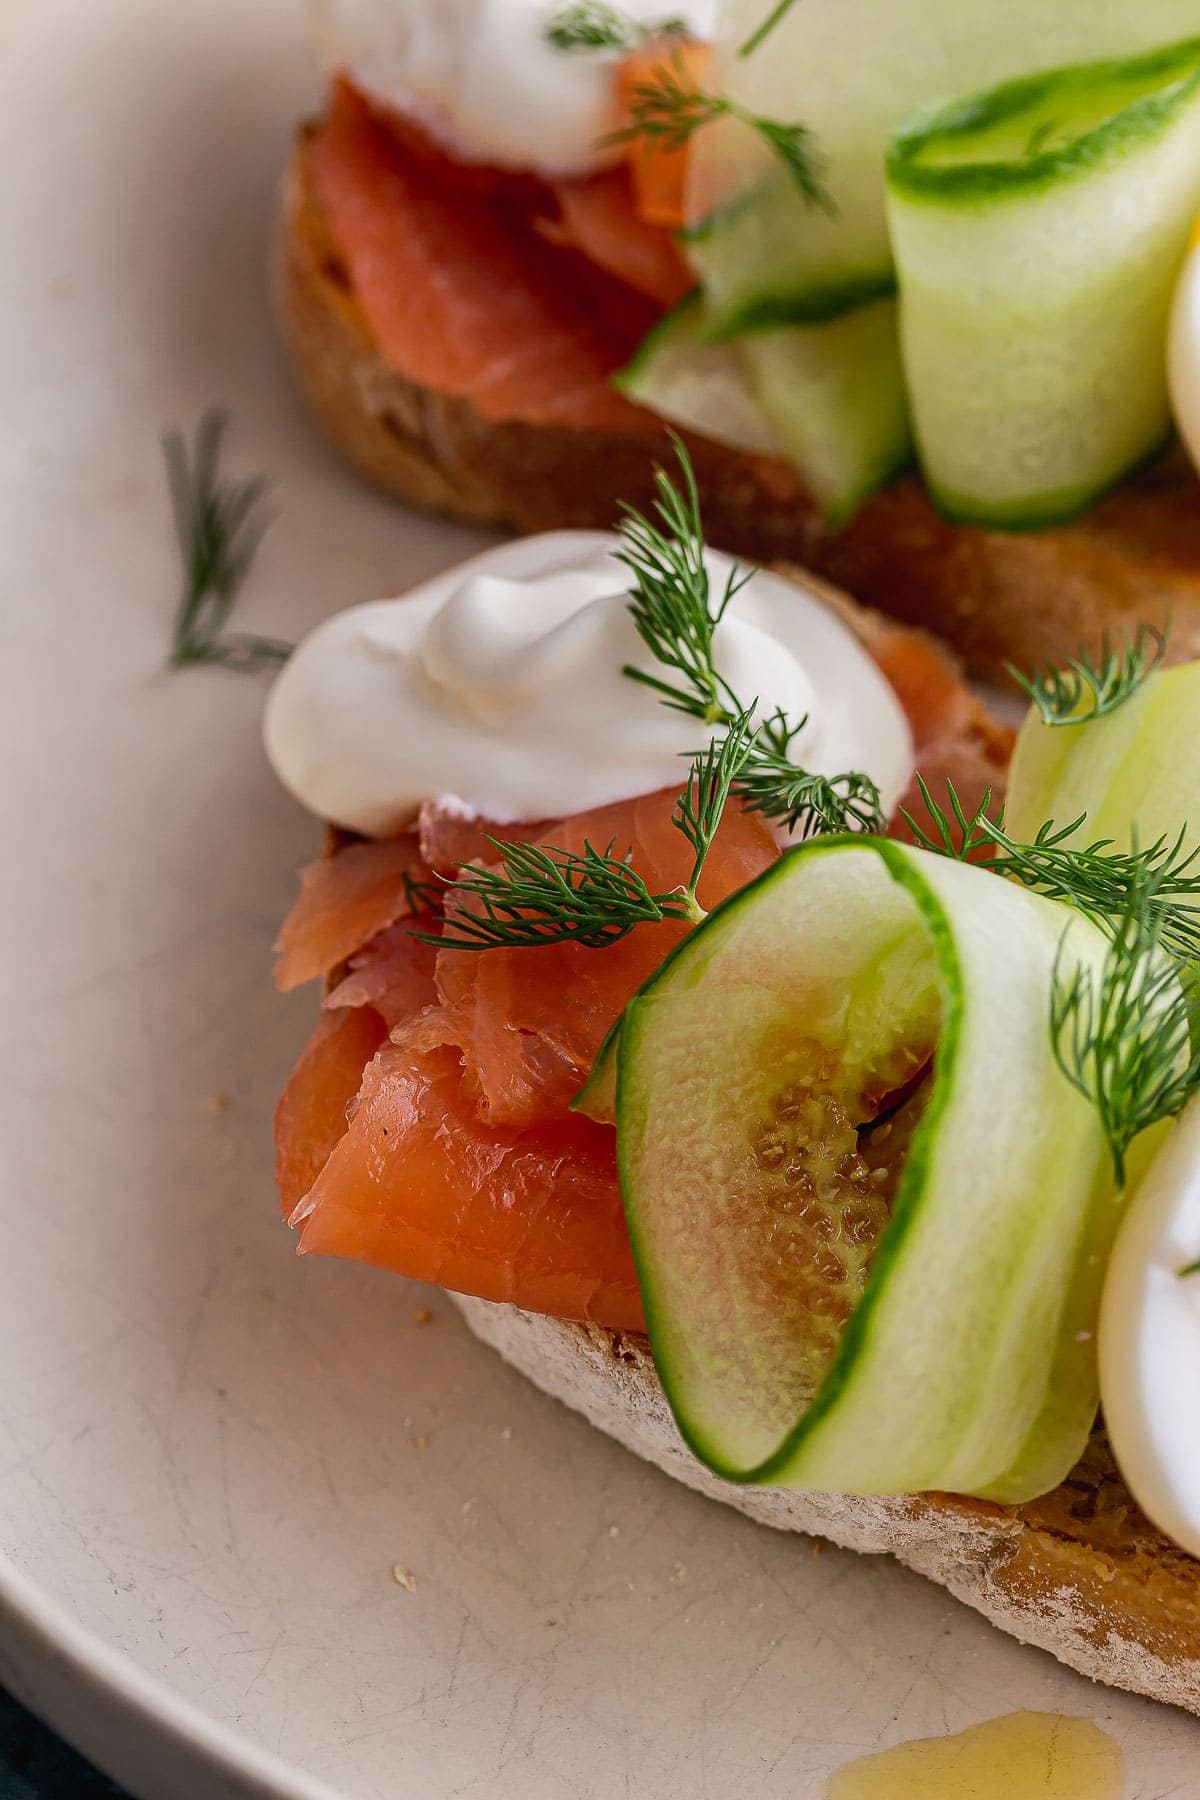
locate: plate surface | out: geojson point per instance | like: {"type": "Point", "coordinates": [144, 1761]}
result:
{"type": "Point", "coordinates": [211, 1456]}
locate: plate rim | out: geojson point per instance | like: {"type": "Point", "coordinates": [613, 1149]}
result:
{"type": "Point", "coordinates": [44, 1645]}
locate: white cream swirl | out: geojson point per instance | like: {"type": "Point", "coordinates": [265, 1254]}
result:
{"type": "Point", "coordinates": [499, 686]}
{"type": "Point", "coordinates": [482, 76]}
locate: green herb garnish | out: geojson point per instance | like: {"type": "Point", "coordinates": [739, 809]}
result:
{"type": "Point", "coordinates": [803, 804]}
{"type": "Point", "coordinates": [667, 109]}
{"type": "Point", "coordinates": [219, 525]}
{"type": "Point", "coordinates": [671, 604]}
{"type": "Point", "coordinates": [1086, 688]}
{"type": "Point", "coordinates": [422, 896]}
{"type": "Point", "coordinates": [543, 895]}
{"type": "Point", "coordinates": [764, 30]}
{"type": "Point", "coordinates": [591, 25]}
{"type": "Point", "coordinates": [1192, 1268]}
{"type": "Point", "coordinates": [1125, 1036]}
{"type": "Point", "coordinates": [1097, 879]}
{"type": "Point", "coordinates": [701, 806]}
{"type": "Point", "coordinates": [677, 614]}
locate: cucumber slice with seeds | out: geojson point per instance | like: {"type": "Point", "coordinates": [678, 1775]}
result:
{"type": "Point", "coordinates": [851, 1308]}
{"type": "Point", "coordinates": [1038, 231]}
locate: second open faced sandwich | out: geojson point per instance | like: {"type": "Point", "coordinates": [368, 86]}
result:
{"type": "Point", "coordinates": [694, 1014]}
{"type": "Point", "coordinates": [901, 269]}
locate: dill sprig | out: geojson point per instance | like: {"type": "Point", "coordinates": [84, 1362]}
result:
{"type": "Point", "coordinates": [1125, 1036]}
{"type": "Point", "coordinates": [591, 25]}
{"type": "Point", "coordinates": [422, 896]}
{"type": "Point", "coordinates": [671, 601]}
{"type": "Point", "coordinates": [677, 614]}
{"type": "Point", "coordinates": [542, 895]}
{"type": "Point", "coordinates": [219, 525]}
{"type": "Point", "coordinates": [667, 108]}
{"type": "Point", "coordinates": [1087, 688]}
{"type": "Point", "coordinates": [1192, 1268]}
{"type": "Point", "coordinates": [701, 806]}
{"type": "Point", "coordinates": [805, 804]}
{"type": "Point", "coordinates": [764, 30]}
{"type": "Point", "coordinates": [1097, 879]}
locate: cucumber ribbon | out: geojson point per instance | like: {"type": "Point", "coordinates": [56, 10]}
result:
{"type": "Point", "coordinates": [1135, 771]}
{"type": "Point", "coordinates": [804, 1337]}
{"type": "Point", "coordinates": [1038, 231]}
{"type": "Point", "coordinates": [852, 70]}
{"type": "Point", "coordinates": [1035, 232]}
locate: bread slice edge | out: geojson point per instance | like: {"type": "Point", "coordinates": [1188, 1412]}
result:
{"type": "Point", "coordinates": [997, 597]}
{"type": "Point", "coordinates": [989, 1557]}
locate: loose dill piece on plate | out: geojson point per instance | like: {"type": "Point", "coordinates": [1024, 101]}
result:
{"type": "Point", "coordinates": [671, 601]}
{"type": "Point", "coordinates": [668, 107]}
{"type": "Point", "coordinates": [219, 525]}
{"type": "Point", "coordinates": [591, 25]}
{"type": "Point", "coordinates": [1192, 1268]}
{"type": "Point", "coordinates": [1125, 1036]}
{"type": "Point", "coordinates": [541, 895]}
{"type": "Point", "coordinates": [1097, 879]}
{"type": "Point", "coordinates": [1087, 687]}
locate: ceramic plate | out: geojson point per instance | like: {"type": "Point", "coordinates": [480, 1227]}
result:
{"type": "Point", "coordinates": [211, 1455]}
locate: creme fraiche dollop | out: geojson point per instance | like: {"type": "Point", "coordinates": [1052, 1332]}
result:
{"type": "Point", "coordinates": [483, 76]}
{"type": "Point", "coordinates": [498, 686]}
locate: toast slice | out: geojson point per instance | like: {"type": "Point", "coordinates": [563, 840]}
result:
{"type": "Point", "coordinates": [1080, 1572]}
{"type": "Point", "coordinates": [998, 597]}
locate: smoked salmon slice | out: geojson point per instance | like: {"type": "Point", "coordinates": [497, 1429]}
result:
{"type": "Point", "coordinates": [344, 900]}
{"type": "Point", "coordinates": [458, 1161]}
{"type": "Point", "coordinates": [393, 973]}
{"type": "Point", "coordinates": [463, 297]}
{"type": "Point", "coordinates": [311, 1115]}
{"type": "Point", "coordinates": [421, 1185]}
{"type": "Point", "coordinates": [599, 217]}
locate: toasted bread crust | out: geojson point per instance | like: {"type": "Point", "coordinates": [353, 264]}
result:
{"type": "Point", "coordinates": [437, 452]}
{"type": "Point", "coordinates": [996, 596]}
{"type": "Point", "coordinates": [1080, 1572]}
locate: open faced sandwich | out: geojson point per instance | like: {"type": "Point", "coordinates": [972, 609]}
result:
{"type": "Point", "coordinates": [904, 272]}
{"type": "Point", "coordinates": [754, 1077]}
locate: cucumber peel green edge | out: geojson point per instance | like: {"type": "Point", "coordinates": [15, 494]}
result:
{"type": "Point", "coordinates": [1128, 128]}
{"type": "Point", "coordinates": [1038, 1465]}
{"type": "Point", "coordinates": [771, 260]}
{"type": "Point", "coordinates": [1024, 421]}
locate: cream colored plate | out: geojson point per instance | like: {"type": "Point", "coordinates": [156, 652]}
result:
{"type": "Point", "coordinates": [211, 1455]}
